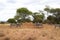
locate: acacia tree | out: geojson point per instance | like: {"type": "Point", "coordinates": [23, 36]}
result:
{"type": "Point", "coordinates": [56, 13]}
{"type": "Point", "coordinates": [38, 17]}
{"type": "Point", "coordinates": [47, 9]}
{"type": "Point", "coordinates": [11, 20]}
{"type": "Point", "coordinates": [22, 13]}
{"type": "Point", "coordinates": [51, 19]}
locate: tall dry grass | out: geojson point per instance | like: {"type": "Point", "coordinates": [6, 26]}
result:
{"type": "Point", "coordinates": [29, 32]}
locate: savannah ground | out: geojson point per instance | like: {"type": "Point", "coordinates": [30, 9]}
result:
{"type": "Point", "coordinates": [29, 32]}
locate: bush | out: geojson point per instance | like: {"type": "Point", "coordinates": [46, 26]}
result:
{"type": "Point", "coordinates": [11, 20]}
{"type": "Point", "coordinates": [2, 22]}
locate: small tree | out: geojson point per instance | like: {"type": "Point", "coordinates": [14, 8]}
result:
{"type": "Point", "coordinates": [27, 20]}
{"type": "Point", "coordinates": [2, 22]}
{"type": "Point", "coordinates": [56, 13]}
{"type": "Point", "coordinates": [11, 20]}
{"type": "Point", "coordinates": [22, 13]}
{"type": "Point", "coordinates": [51, 19]}
{"type": "Point", "coordinates": [47, 9]}
{"type": "Point", "coordinates": [38, 17]}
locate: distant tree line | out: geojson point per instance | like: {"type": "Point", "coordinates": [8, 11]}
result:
{"type": "Point", "coordinates": [23, 15]}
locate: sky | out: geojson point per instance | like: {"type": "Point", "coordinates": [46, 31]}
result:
{"type": "Point", "coordinates": [8, 7]}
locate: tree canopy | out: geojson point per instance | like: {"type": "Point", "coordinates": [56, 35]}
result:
{"type": "Point", "coordinates": [11, 20]}
{"type": "Point", "coordinates": [22, 13]}
{"type": "Point", "coordinates": [38, 17]}
{"type": "Point", "coordinates": [55, 12]}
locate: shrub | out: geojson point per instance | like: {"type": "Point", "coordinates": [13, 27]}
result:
{"type": "Point", "coordinates": [2, 22]}
{"type": "Point", "coordinates": [11, 20]}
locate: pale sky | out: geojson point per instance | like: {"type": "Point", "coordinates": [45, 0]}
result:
{"type": "Point", "coordinates": [8, 7]}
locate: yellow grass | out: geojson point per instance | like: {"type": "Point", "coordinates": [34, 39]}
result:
{"type": "Point", "coordinates": [28, 32]}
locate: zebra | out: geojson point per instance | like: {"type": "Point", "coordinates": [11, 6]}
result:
{"type": "Point", "coordinates": [15, 24]}
{"type": "Point", "coordinates": [18, 24]}
{"type": "Point", "coordinates": [12, 24]}
{"type": "Point", "coordinates": [57, 25]}
{"type": "Point", "coordinates": [38, 25]}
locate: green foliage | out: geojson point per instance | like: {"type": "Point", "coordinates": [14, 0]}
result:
{"type": "Point", "coordinates": [11, 20]}
{"type": "Point", "coordinates": [51, 19]}
{"type": "Point", "coordinates": [22, 13]}
{"type": "Point", "coordinates": [56, 13]}
{"type": "Point", "coordinates": [22, 10]}
{"type": "Point", "coordinates": [27, 20]}
{"type": "Point", "coordinates": [16, 17]}
{"type": "Point", "coordinates": [55, 18]}
{"type": "Point", "coordinates": [47, 9]}
{"type": "Point", "coordinates": [37, 17]}
{"type": "Point", "coordinates": [52, 10]}
{"type": "Point", "coordinates": [2, 22]}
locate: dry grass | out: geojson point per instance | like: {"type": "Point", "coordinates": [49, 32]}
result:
{"type": "Point", "coordinates": [28, 32]}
